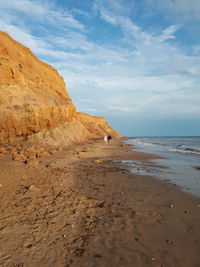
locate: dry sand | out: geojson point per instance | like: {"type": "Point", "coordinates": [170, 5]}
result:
{"type": "Point", "coordinates": [78, 207]}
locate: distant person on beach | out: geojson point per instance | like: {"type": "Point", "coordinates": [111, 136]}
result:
{"type": "Point", "coordinates": [105, 139]}
{"type": "Point", "coordinates": [109, 138]}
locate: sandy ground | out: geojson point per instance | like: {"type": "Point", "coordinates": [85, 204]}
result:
{"type": "Point", "coordinates": [78, 207]}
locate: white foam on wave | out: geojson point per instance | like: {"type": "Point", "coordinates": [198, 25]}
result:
{"type": "Point", "coordinates": [185, 151]}
{"type": "Point", "coordinates": [172, 147]}
{"type": "Point", "coordinates": [146, 144]}
{"type": "Point", "coordinates": [197, 149]}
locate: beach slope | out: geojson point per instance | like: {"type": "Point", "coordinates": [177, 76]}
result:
{"type": "Point", "coordinates": [80, 206]}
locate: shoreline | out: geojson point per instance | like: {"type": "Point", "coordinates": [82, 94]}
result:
{"type": "Point", "coordinates": [179, 166]}
{"type": "Point", "coordinates": [80, 207]}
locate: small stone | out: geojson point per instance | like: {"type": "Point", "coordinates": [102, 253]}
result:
{"type": "Point", "coordinates": [198, 206]}
{"type": "Point", "coordinates": [98, 161]}
{"type": "Point", "coordinates": [19, 157]}
{"type": "Point", "coordinates": [28, 246]}
{"type": "Point", "coordinates": [186, 212]}
{"type": "Point", "coordinates": [73, 226]}
{"type": "Point", "coordinates": [31, 151]}
{"type": "Point", "coordinates": [25, 188]}
{"type": "Point", "coordinates": [42, 154]}
{"type": "Point", "coordinates": [32, 157]}
{"type": "Point", "coordinates": [161, 221]}
{"type": "Point", "coordinates": [51, 151]}
{"type": "Point", "coordinates": [153, 259]}
{"type": "Point", "coordinates": [168, 241]}
{"type": "Point", "coordinates": [3, 150]}
{"type": "Point", "coordinates": [33, 188]}
{"type": "Point", "coordinates": [96, 204]}
{"type": "Point", "coordinates": [31, 163]}
{"type": "Point", "coordinates": [97, 256]}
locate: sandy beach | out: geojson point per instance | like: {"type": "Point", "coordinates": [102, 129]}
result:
{"type": "Point", "coordinates": [79, 206]}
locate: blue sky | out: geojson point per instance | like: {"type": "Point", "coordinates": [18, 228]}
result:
{"type": "Point", "coordinates": [135, 62]}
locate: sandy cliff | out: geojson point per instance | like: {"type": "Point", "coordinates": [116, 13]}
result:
{"type": "Point", "coordinates": [96, 125]}
{"type": "Point", "coordinates": [34, 104]}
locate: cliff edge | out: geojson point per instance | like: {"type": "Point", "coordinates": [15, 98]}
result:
{"type": "Point", "coordinates": [34, 104]}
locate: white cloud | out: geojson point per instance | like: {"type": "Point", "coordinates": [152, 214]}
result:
{"type": "Point", "coordinates": [88, 110]}
{"type": "Point", "coordinates": [85, 100]}
{"type": "Point", "coordinates": [27, 6]}
{"type": "Point", "coordinates": [131, 30]}
{"type": "Point", "coordinates": [122, 108]}
{"type": "Point", "coordinates": [118, 7]}
{"type": "Point", "coordinates": [179, 10]}
{"type": "Point", "coordinates": [168, 33]}
{"type": "Point", "coordinates": [183, 8]}
{"type": "Point", "coordinates": [41, 11]}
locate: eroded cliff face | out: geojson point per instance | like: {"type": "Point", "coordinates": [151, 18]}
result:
{"type": "Point", "coordinates": [96, 125]}
{"type": "Point", "coordinates": [34, 104]}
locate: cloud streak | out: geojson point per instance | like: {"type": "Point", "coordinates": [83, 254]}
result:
{"type": "Point", "coordinates": [181, 9]}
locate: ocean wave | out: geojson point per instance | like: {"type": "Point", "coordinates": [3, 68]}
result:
{"type": "Point", "coordinates": [197, 149]}
{"type": "Point", "coordinates": [146, 144]}
{"type": "Point", "coordinates": [186, 151]}
{"type": "Point", "coordinates": [177, 145]}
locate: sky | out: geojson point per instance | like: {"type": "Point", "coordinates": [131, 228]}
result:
{"type": "Point", "coordinates": [134, 62]}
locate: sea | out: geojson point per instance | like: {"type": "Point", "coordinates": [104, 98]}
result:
{"type": "Point", "coordinates": [181, 163]}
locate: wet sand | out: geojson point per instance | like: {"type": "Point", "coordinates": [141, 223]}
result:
{"type": "Point", "coordinates": [81, 207]}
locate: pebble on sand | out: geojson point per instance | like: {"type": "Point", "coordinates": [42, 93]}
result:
{"type": "Point", "coordinates": [168, 241]}
{"type": "Point", "coordinates": [161, 221]}
{"type": "Point", "coordinates": [98, 161]}
{"type": "Point", "coordinates": [186, 212]}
